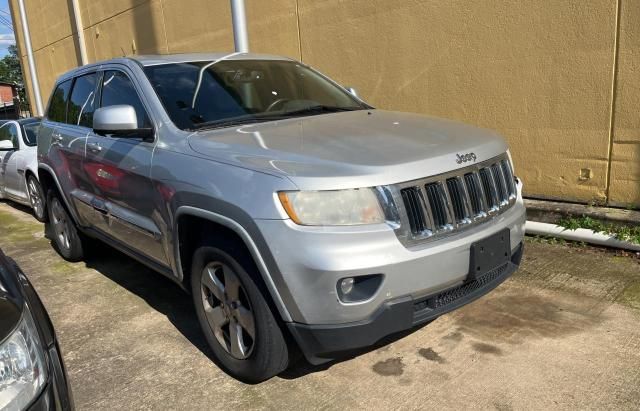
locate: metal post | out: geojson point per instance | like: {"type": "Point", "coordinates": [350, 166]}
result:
{"type": "Point", "coordinates": [80, 32]}
{"type": "Point", "coordinates": [239, 18]}
{"type": "Point", "coordinates": [32, 65]}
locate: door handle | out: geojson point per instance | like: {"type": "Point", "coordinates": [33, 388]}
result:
{"type": "Point", "coordinates": [94, 147]}
{"type": "Point", "coordinates": [57, 138]}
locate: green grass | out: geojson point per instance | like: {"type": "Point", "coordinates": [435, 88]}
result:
{"type": "Point", "coordinates": [621, 232]}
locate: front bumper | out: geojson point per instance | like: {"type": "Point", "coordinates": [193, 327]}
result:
{"type": "Point", "coordinates": [308, 263]}
{"type": "Point", "coordinates": [321, 343]}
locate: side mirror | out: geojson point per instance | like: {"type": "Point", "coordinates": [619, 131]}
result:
{"type": "Point", "coordinates": [7, 145]}
{"type": "Point", "coordinates": [353, 91]}
{"type": "Point", "coordinates": [119, 120]}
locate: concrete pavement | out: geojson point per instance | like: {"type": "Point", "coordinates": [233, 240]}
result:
{"type": "Point", "coordinates": [563, 332]}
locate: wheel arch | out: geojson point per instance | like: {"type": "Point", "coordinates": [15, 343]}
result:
{"type": "Point", "coordinates": [48, 180]}
{"type": "Point", "coordinates": [187, 215]}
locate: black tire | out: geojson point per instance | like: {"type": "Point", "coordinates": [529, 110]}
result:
{"type": "Point", "coordinates": [269, 354]}
{"type": "Point", "coordinates": [66, 239]}
{"type": "Point", "coordinates": [37, 199]}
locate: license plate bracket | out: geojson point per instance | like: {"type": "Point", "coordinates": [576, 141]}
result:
{"type": "Point", "coordinates": [489, 253]}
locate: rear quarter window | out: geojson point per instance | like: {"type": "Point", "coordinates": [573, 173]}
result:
{"type": "Point", "coordinates": [30, 133]}
{"type": "Point", "coordinates": [58, 104]}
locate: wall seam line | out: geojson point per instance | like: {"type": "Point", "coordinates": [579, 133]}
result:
{"type": "Point", "coordinates": [117, 14]}
{"type": "Point", "coordinates": [298, 27]}
{"type": "Point", "coordinates": [52, 43]}
{"type": "Point", "coordinates": [164, 27]}
{"type": "Point", "coordinates": [614, 81]}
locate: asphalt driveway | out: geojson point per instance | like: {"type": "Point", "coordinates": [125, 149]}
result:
{"type": "Point", "coordinates": [563, 332]}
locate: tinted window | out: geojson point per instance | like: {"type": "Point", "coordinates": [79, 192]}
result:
{"type": "Point", "coordinates": [200, 93]}
{"type": "Point", "coordinates": [117, 88]}
{"type": "Point", "coordinates": [30, 133]}
{"type": "Point", "coordinates": [8, 136]}
{"type": "Point", "coordinates": [58, 104]}
{"type": "Point", "coordinates": [82, 101]}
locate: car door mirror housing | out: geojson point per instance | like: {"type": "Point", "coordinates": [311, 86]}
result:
{"type": "Point", "coordinates": [119, 120]}
{"type": "Point", "coordinates": [7, 145]}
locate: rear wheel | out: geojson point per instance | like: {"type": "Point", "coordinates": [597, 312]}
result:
{"type": "Point", "coordinates": [66, 238]}
{"type": "Point", "coordinates": [36, 198]}
{"type": "Point", "coordinates": [241, 329]}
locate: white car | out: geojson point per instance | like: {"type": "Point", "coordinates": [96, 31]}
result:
{"type": "Point", "coordinates": [19, 165]}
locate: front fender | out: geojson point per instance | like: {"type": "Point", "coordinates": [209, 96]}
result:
{"type": "Point", "coordinates": [248, 231]}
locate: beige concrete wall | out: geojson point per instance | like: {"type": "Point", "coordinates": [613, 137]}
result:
{"type": "Point", "coordinates": [540, 72]}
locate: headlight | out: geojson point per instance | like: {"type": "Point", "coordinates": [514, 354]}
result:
{"type": "Point", "coordinates": [22, 370]}
{"type": "Point", "coordinates": [340, 207]}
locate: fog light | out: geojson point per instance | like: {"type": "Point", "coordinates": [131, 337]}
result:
{"type": "Point", "coordinates": [346, 285]}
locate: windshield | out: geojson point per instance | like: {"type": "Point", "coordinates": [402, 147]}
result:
{"type": "Point", "coordinates": [217, 94]}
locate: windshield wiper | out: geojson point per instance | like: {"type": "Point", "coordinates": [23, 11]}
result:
{"type": "Point", "coordinates": [229, 122]}
{"type": "Point", "coordinates": [319, 109]}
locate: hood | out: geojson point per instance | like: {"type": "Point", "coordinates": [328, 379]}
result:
{"type": "Point", "coordinates": [11, 298]}
{"type": "Point", "coordinates": [350, 149]}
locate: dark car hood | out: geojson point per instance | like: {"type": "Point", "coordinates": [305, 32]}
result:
{"type": "Point", "coordinates": [11, 298]}
{"type": "Point", "coordinates": [357, 148]}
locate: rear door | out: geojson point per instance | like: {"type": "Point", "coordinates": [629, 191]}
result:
{"type": "Point", "coordinates": [62, 141]}
{"type": "Point", "coordinates": [73, 134]}
{"type": "Point", "coordinates": [119, 169]}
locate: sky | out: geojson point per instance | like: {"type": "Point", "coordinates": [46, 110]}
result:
{"type": "Point", "coordinates": [6, 33]}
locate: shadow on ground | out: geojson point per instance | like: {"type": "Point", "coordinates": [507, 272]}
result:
{"type": "Point", "coordinates": [19, 207]}
{"type": "Point", "coordinates": [166, 297]}
{"type": "Point", "coordinates": [162, 294]}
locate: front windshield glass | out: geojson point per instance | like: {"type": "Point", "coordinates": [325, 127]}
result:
{"type": "Point", "coordinates": [217, 94]}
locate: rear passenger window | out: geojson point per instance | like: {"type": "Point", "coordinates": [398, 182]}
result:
{"type": "Point", "coordinates": [117, 88]}
{"type": "Point", "coordinates": [58, 105]}
{"type": "Point", "coordinates": [82, 101]}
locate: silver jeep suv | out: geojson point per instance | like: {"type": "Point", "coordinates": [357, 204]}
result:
{"type": "Point", "coordinates": [298, 216]}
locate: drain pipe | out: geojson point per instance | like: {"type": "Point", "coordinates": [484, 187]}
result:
{"type": "Point", "coordinates": [80, 32]}
{"type": "Point", "coordinates": [239, 18]}
{"type": "Point", "coordinates": [580, 234]}
{"type": "Point", "coordinates": [32, 64]}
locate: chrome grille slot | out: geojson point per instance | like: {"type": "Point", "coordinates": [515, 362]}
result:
{"type": "Point", "coordinates": [489, 188]}
{"type": "Point", "coordinates": [459, 202]}
{"type": "Point", "coordinates": [413, 204]}
{"type": "Point", "coordinates": [450, 202]}
{"type": "Point", "coordinates": [508, 176]}
{"type": "Point", "coordinates": [439, 206]}
{"type": "Point", "coordinates": [475, 195]}
{"type": "Point", "coordinates": [501, 185]}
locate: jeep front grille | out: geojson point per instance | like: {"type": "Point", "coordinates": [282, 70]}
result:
{"type": "Point", "coordinates": [457, 200]}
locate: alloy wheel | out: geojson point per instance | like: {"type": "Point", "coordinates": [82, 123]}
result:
{"type": "Point", "coordinates": [35, 198]}
{"type": "Point", "coordinates": [60, 224]}
{"type": "Point", "coordinates": [228, 310]}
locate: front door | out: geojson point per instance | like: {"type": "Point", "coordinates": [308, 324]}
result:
{"type": "Point", "coordinates": [119, 169]}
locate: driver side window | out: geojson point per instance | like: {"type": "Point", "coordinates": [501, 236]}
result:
{"type": "Point", "coordinates": [117, 88]}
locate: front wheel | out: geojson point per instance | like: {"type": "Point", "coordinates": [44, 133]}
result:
{"type": "Point", "coordinates": [241, 329]}
{"type": "Point", "coordinates": [36, 198]}
{"type": "Point", "coordinates": [66, 238]}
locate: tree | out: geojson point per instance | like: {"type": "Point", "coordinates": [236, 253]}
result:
{"type": "Point", "coordinates": [11, 72]}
